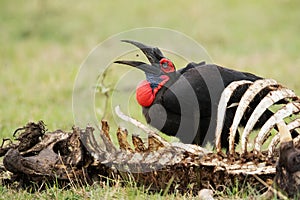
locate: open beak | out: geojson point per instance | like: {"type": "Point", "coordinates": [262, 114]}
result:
{"type": "Point", "coordinates": [142, 66]}
{"type": "Point", "coordinates": [153, 54]}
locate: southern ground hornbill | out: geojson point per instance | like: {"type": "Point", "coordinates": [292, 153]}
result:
{"type": "Point", "coordinates": [183, 103]}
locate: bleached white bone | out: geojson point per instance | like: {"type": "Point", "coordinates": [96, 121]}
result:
{"type": "Point", "coordinates": [276, 139]}
{"type": "Point", "coordinates": [248, 96]}
{"type": "Point", "coordinates": [288, 109]}
{"type": "Point", "coordinates": [294, 124]}
{"type": "Point", "coordinates": [141, 126]}
{"type": "Point", "coordinates": [265, 103]}
{"type": "Point", "coordinates": [226, 94]}
{"type": "Point", "coordinates": [284, 132]}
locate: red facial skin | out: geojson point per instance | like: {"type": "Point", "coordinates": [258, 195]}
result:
{"type": "Point", "coordinates": [166, 65]}
{"type": "Point", "coordinates": [145, 95]}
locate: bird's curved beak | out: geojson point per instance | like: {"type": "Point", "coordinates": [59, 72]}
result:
{"type": "Point", "coordinates": [153, 54]}
{"type": "Point", "coordinates": [148, 69]}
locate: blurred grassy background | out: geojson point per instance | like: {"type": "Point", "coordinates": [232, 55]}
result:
{"type": "Point", "coordinates": [44, 42]}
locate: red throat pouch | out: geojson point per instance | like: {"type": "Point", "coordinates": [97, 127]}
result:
{"type": "Point", "coordinates": [145, 95]}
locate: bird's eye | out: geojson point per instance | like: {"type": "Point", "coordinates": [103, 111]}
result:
{"type": "Point", "coordinates": [165, 65]}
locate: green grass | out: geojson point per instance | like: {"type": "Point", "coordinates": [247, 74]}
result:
{"type": "Point", "coordinates": [44, 42]}
{"type": "Point", "coordinates": [90, 192]}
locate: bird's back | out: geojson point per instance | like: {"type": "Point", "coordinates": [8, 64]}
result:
{"type": "Point", "coordinates": [187, 107]}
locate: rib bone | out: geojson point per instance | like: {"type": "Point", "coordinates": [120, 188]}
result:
{"type": "Point", "coordinates": [226, 94]}
{"type": "Point", "coordinates": [266, 102]}
{"type": "Point", "coordinates": [288, 109]}
{"type": "Point", "coordinates": [248, 96]}
{"type": "Point", "coordinates": [276, 139]}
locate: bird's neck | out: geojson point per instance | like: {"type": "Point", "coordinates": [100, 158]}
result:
{"type": "Point", "coordinates": [146, 91]}
{"type": "Point", "coordinates": [154, 80]}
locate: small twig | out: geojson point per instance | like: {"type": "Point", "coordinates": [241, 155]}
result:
{"type": "Point", "coordinates": [104, 90]}
{"type": "Point", "coordinates": [280, 195]}
{"type": "Point", "coordinates": [171, 180]}
{"type": "Point", "coordinates": [66, 171]}
{"type": "Point", "coordinates": [4, 140]}
{"type": "Point", "coordinates": [140, 125]}
{"type": "Point", "coordinates": [19, 129]}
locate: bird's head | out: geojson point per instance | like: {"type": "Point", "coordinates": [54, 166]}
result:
{"type": "Point", "coordinates": [158, 72]}
{"type": "Point", "coordinates": [159, 64]}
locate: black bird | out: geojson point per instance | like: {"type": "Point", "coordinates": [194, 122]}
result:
{"type": "Point", "coordinates": [183, 103]}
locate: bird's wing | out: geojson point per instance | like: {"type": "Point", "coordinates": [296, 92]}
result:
{"type": "Point", "coordinates": [187, 94]}
{"type": "Point", "coordinates": [190, 66]}
{"type": "Point", "coordinates": [200, 88]}
{"type": "Point", "coordinates": [230, 75]}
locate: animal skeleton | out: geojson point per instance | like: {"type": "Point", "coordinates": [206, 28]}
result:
{"type": "Point", "coordinates": [77, 156]}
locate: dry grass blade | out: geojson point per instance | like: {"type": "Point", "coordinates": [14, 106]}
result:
{"type": "Point", "coordinates": [278, 193]}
